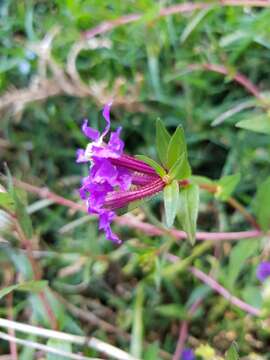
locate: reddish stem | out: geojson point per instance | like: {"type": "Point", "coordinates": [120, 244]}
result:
{"type": "Point", "coordinates": [152, 230]}
{"type": "Point", "coordinates": [213, 284]}
{"type": "Point", "coordinates": [109, 25]}
{"type": "Point", "coordinates": [133, 222]}
{"type": "Point", "coordinates": [238, 77]}
{"type": "Point", "coordinates": [183, 332]}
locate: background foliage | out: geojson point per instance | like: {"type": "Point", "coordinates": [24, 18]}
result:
{"type": "Point", "coordinates": [155, 67]}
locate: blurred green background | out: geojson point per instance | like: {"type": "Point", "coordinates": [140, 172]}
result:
{"type": "Point", "coordinates": [52, 76]}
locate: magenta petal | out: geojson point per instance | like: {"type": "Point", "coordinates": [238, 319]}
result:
{"type": "Point", "coordinates": [124, 179]}
{"type": "Point", "coordinates": [115, 143]}
{"type": "Point", "coordinates": [80, 156]}
{"type": "Point", "coordinates": [106, 115]}
{"type": "Point", "coordinates": [104, 152]}
{"type": "Point", "coordinates": [105, 220]}
{"type": "Point", "coordinates": [97, 196]}
{"type": "Point", "coordinates": [106, 172]}
{"type": "Point", "coordinates": [91, 133]}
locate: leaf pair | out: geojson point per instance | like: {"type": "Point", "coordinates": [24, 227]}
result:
{"type": "Point", "coordinates": [172, 152]}
{"type": "Point", "coordinates": [185, 204]}
{"type": "Point", "coordinates": [170, 149]}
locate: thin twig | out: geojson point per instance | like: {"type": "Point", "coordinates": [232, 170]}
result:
{"type": "Point", "coordinates": [181, 340]}
{"type": "Point", "coordinates": [213, 284]}
{"type": "Point", "coordinates": [91, 342]}
{"type": "Point", "coordinates": [238, 77]}
{"type": "Point", "coordinates": [233, 203]}
{"type": "Point", "coordinates": [183, 332]}
{"type": "Point", "coordinates": [236, 204]}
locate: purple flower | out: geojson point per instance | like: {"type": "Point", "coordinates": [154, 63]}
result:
{"type": "Point", "coordinates": [188, 354]}
{"type": "Point", "coordinates": [263, 270]}
{"type": "Point", "coordinates": [115, 179]}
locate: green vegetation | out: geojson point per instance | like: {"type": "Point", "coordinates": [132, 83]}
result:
{"type": "Point", "coordinates": [204, 73]}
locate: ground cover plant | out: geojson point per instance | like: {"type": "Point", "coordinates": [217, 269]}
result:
{"type": "Point", "coordinates": [135, 188]}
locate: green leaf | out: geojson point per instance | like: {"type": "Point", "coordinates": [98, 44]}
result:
{"type": "Point", "coordinates": [19, 206]}
{"type": "Point", "coordinates": [151, 352]}
{"type": "Point", "coordinates": [261, 204]}
{"type": "Point", "coordinates": [171, 202]}
{"type": "Point", "coordinates": [158, 168]}
{"type": "Point", "coordinates": [34, 286]}
{"type": "Point", "coordinates": [59, 345]}
{"type": "Point", "coordinates": [177, 146]}
{"type": "Point", "coordinates": [232, 353]}
{"type": "Point", "coordinates": [188, 210]}
{"type": "Point", "coordinates": [197, 179]}
{"type": "Point", "coordinates": [252, 296]}
{"type": "Point", "coordinates": [258, 123]}
{"type": "Point", "coordinates": [174, 311]}
{"type": "Point", "coordinates": [6, 201]}
{"type": "Point", "coordinates": [27, 353]}
{"type": "Point", "coordinates": [23, 217]}
{"type": "Point", "coordinates": [226, 186]}
{"type": "Point", "coordinates": [162, 141]}
{"type": "Point", "coordinates": [194, 22]}
{"type": "Point", "coordinates": [239, 254]}
{"type": "Point", "coordinates": [181, 169]}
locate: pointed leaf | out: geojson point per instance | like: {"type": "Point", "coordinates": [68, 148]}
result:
{"type": "Point", "coordinates": [258, 123]}
{"type": "Point", "coordinates": [261, 204]}
{"type": "Point", "coordinates": [6, 201]}
{"type": "Point", "coordinates": [188, 210]}
{"type": "Point", "coordinates": [152, 352]}
{"type": "Point", "coordinates": [158, 168]}
{"type": "Point", "coordinates": [171, 202]}
{"type": "Point", "coordinates": [33, 286]}
{"type": "Point", "coordinates": [196, 179]}
{"type": "Point", "coordinates": [162, 141]}
{"type": "Point", "coordinates": [175, 311]}
{"type": "Point", "coordinates": [177, 146]}
{"type": "Point", "coordinates": [226, 186]}
{"type": "Point", "coordinates": [237, 260]}
{"type": "Point", "coordinates": [23, 217]}
{"type": "Point", "coordinates": [181, 169]}
{"type": "Point", "coordinates": [61, 349]}
{"type": "Point", "coordinates": [232, 353]}
{"type": "Point", "coordinates": [19, 206]}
